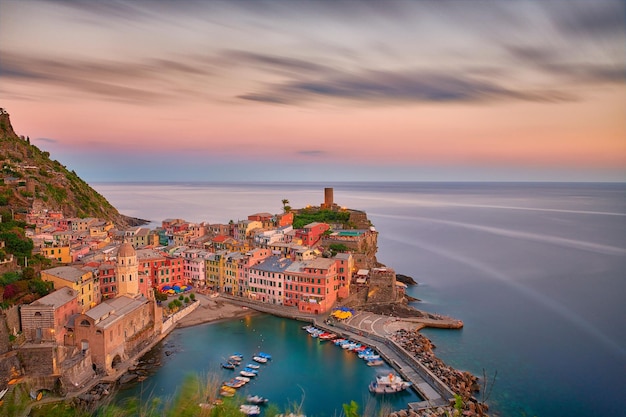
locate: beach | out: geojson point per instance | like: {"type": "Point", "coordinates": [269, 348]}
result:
{"type": "Point", "coordinates": [212, 309]}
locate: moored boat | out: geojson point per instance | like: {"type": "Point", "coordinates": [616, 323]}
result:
{"type": "Point", "coordinates": [234, 383]}
{"type": "Point", "coordinates": [226, 391]}
{"type": "Point", "coordinates": [228, 365]}
{"type": "Point", "coordinates": [388, 384]}
{"type": "Point", "coordinates": [259, 359]}
{"type": "Point", "coordinates": [250, 410]}
{"type": "Point", "coordinates": [375, 362]}
{"type": "Point", "coordinates": [252, 366]}
{"type": "Point", "coordinates": [265, 355]}
{"type": "Point", "coordinates": [255, 399]}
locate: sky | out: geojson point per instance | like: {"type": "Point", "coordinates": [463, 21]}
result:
{"type": "Point", "coordinates": [291, 90]}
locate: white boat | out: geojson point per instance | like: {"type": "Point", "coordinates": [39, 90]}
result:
{"type": "Point", "coordinates": [255, 399]}
{"type": "Point", "coordinates": [259, 359]}
{"type": "Point", "coordinates": [250, 410]}
{"type": "Point", "coordinates": [247, 374]}
{"type": "Point", "coordinates": [265, 355]}
{"type": "Point", "coordinates": [242, 378]}
{"type": "Point", "coordinates": [388, 384]}
{"type": "Point", "coordinates": [252, 366]}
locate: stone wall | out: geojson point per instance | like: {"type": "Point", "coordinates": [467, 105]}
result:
{"type": "Point", "coordinates": [359, 219]}
{"type": "Point", "coordinates": [5, 344]}
{"type": "Point", "coordinates": [77, 370]}
{"type": "Point", "coordinates": [382, 286]}
{"type": "Point", "coordinates": [12, 315]}
{"type": "Point", "coordinates": [38, 360]}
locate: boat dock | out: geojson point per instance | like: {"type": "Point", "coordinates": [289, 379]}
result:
{"type": "Point", "coordinates": [426, 384]}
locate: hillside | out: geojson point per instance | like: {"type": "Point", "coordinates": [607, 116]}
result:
{"type": "Point", "coordinates": [30, 179]}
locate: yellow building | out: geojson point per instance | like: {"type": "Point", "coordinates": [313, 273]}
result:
{"type": "Point", "coordinates": [58, 253]}
{"type": "Point", "coordinates": [77, 279]}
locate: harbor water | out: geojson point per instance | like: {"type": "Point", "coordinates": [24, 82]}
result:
{"type": "Point", "coordinates": [537, 272]}
{"type": "Point", "coordinates": [315, 376]}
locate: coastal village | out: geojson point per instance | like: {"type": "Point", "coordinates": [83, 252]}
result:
{"type": "Point", "coordinates": [116, 293]}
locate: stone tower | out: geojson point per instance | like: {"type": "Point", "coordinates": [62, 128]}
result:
{"type": "Point", "coordinates": [328, 198]}
{"type": "Point", "coordinates": [126, 270]}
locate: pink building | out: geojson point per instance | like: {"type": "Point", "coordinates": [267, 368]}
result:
{"type": "Point", "coordinates": [312, 285]}
{"type": "Point", "coordinates": [311, 233]}
{"type": "Point", "coordinates": [45, 319]}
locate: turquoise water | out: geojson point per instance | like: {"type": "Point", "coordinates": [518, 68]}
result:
{"type": "Point", "coordinates": [537, 272]}
{"type": "Point", "coordinates": [319, 374]}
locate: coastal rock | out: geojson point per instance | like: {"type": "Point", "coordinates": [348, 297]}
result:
{"type": "Point", "coordinates": [127, 378]}
{"type": "Point", "coordinates": [405, 279]}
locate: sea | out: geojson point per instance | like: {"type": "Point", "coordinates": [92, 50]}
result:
{"type": "Point", "coordinates": [536, 271]}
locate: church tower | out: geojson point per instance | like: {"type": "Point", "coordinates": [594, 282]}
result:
{"type": "Point", "coordinates": [126, 270]}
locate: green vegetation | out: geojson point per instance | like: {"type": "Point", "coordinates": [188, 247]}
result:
{"type": "Point", "coordinates": [174, 305]}
{"type": "Point", "coordinates": [15, 240]}
{"type": "Point", "coordinates": [159, 296]}
{"type": "Point", "coordinates": [307, 216]}
{"type": "Point", "coordinates": [58, 194]}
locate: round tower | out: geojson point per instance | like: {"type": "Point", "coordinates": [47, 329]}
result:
{"type": "Point", "coordinates": [126, 271]}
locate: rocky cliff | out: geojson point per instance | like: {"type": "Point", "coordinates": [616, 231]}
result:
{"type": "Point", "coordinates": [30, 179]}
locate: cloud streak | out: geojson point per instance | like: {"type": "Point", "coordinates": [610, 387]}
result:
{"type": "Point", "coordinates": [378, 87]}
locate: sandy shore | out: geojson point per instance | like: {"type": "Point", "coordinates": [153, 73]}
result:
{"type": "Point", "coordinates": [213, 309]}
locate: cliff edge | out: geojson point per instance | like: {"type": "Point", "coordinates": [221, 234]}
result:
{"type": "Point", "coordinates": [31, 180]}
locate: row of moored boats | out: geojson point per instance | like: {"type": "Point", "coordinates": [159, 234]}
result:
{"type": "Point", "coordinates": [363, 351]}
{"type": "Point", "coordinates": [384, 384]}
{"type": "Point", "coordinates": [249, 371]}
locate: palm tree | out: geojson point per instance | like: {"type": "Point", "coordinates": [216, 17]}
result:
{"type": "Point", "coordinates": [285, 202]}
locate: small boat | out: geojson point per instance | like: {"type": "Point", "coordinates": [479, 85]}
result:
{"type": "Point", "coordinates": [259, 359]}
{"type": "Point", "coordinates": [237, 357]}
{"type": "Point", "coordinates": [327, 336]}
{"type": "Point", "coordinates": [265, 355]}
{"type": "Point", "coordinates": [339, 341]}
{"type": "Point", "coordinates": [242, 378]}
{"type": "Point", "coordinates": [234, 383]}
{"type": "Point", "coordinates": [247, 373]}
{"type": "Point", "coordinates": [250, 410]}
{"type": "Point", "coordinates": [226, 393]}
{"type": "Point", "coordinates": [252, 366]}
{"type": "Point", "coordinates": [255, 399]}
{"type": "Point", "coordinates": [388, 384]}
{"type": "Point", "coordinates": [228, 365]}
{"type": "Point", "coordinates": [375, 362]}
